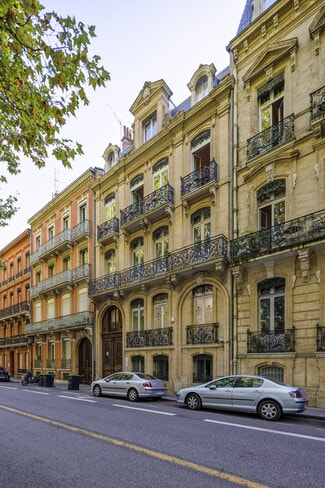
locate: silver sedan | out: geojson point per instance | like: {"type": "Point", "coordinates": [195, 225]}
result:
{"type": "Point", "coordinates": [130, 385]}
{"type": "Point", "coordinates": [244, 393]}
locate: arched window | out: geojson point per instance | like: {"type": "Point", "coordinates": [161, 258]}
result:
{"type": "Point", "coordinates": [160, 174]}
{"type": "Point", "coordinates": [201, 224]}
{"type": "Point", "coordinates": [202, 364]}
{"type": "Point", "coordinates": [138, 364]}
{"type": "Point", "coordinates": [275, 373]}
{"type": "Point", "coordinates": [202, 305]}
{"type": "Point", "coordinates": [271, 293]}
{"type": "Point", "coordinates": [110, 208]}
{"type": "Point", "coordinates": [137, 307]}
{"type": "Point", "coordinates": [201, 88]}
{"type": "Point", "coordinates": [271, 203]}
{"type": "Point", "coordinates": [161, 315]}
{"type": "Point", "coordinates": [161, 367]}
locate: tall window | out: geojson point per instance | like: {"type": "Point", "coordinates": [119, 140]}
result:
{"type": "Point", "coordinates": [202, 304]}
{"type": "Point", "coordinates": [110, 261]}
{"type": "Point", "coordinates": [110, 207]}
{"type": "Point", "coordinates": [66, 263]}
{"type": "Point", "coordinates": [83, 212]}
{"type": "Point", "coordinates": [201, 223]}
{"type": "Point", "coordinates": [202, 364]}
{"type": "Point", "coordinates": [50, 270]}
{"type": "Point", "coordinates": [150, 127]}
{"type": "Point", "coordinates": [83, 300]}
{"type": "Point", "coordinates": [161, 240]}
{"type": "Point", "coordinates": [38, 312]}
{"type": "Point", "coordinates": [200, 148]}
{"type": "Point", "coordinates": [83, 256]}
{"type": "Point", "coordinates": [137, 251]}
{"type": "Point", "coordinates": [137, 307]}
{"type": "Point", "coordinates": [160, 174]}
{"type": "Point", "coordinates": [51, 308]}
{"type": "Point", "coordinates": [66, 222]}
{"type": "Point", "coordinates": [136, 187]}
{"type": "Point", "coordinates": [201, 88]}
{"type": "Point", "coordinates": [138, 364]}
{"type": "Point", "coordinates": [161, 315]}
{"type": "Point", "coordinates": [50, 232]}
{"type": "Point", "coordinates": [66, 304]}
{"type": "Point", "coordinates": [271, 203]}
{"type": "Point", "coordinates": [37, 242]}
{"type": "Point", "coordinates": [271, 294]}
{"type": "Point", "coordinates": [271, 98]}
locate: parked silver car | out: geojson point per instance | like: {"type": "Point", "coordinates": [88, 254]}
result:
{"type": "Point", "coordinates": [130, 385]}
{"type": "Point", "coordinates": [245, 393]}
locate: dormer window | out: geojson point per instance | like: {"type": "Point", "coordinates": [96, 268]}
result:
{"type": "Point", "coordinates": [201, 88]}
{"type": "Point", "coordinates": [150, 127]}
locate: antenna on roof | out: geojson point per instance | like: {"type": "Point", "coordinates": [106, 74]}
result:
{"type": "Point", "coordinates": [116, 119]}
{"type": "Point", "coordinates": [56, 181]}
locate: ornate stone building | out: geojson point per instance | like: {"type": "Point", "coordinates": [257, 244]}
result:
{"type": "Point", "coordinates": [15, 304]}
{"type": "Point", "coordinates": [162, 286]}
{"type": "Point", "coordinates": [60, 333]}
{"type": "Point", "coordinates": [278, 247]}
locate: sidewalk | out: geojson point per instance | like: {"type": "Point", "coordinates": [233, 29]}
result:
{"type": "Point", "coordinates": [310, 412]}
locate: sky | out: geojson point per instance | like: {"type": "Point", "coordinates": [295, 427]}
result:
{"type": "Point", "coordinates": [138, 41]}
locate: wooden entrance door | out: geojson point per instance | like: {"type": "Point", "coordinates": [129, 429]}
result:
{"type": "Point", "coordinates": [85, 361]}
{"type": "Point", "coordinates": [112, 349]}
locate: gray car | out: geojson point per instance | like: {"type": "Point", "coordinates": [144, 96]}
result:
{"type": "Point", "coordinates": [245, 393]}
{"type": "Point", "coordinates": [130, 385]}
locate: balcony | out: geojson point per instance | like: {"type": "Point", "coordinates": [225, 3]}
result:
{"type": "Point", "coordinates": [150, 338]}
{"type": "Point", "coordinates": [320, 338]}
{"type": "Point", "coordinates": [53, 246]}
{"type": "Point", "coordinates": [308, 228]}
{"type": "Point", "coordinates": [274, 136]}
{"type": "Point", "coordinates": [184, 261]}
{"type": "Point", "coordinates": [14, 341]}
{"type": "Point", "coordinates": [57, 282]}
{"type": "Point", "coordinates": [81, 273]}
{"type": "Point", "coordinates": [81, 231]}
{"type": "Point", "coordinates": [202, 333]}
{"type": "Point", "coordinates": [152, 207]}
{"type": "Point", "coordinates": [317, 111]}
{"type": "Point", "coordinates": [108, 230]}
{"type": "Point", "coordinates": [73, 321]}
{"type": "Point", "coordinates": [271, 342]}
{"type": "Point", "coordinates": [195, 184]}
{"type": "Point", "coordinates": [22, 308]}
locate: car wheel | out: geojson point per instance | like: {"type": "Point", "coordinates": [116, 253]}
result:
{"type": "Point", "coordinates": [24, 382]}
{"type": "Point", "coordinates": [133, 395]}
{"type": "Point", "coordinates": [269, 410]}
{"type": "Point", "coordinates": [193, 401]}
{"type": "Point", "coordinates": [97, 391]}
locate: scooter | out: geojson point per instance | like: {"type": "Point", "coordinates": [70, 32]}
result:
{"type": "Point", "coordinates": [28, 379]}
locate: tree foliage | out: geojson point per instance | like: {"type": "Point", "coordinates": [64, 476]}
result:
{"type": "Point", "coordinates": [45, 69]}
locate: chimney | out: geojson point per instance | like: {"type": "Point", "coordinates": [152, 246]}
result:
{"type": "Point", "coordinates": [127, 138]}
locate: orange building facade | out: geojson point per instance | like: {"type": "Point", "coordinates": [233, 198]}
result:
{"type": "Point", "coordinates": [14, 304]}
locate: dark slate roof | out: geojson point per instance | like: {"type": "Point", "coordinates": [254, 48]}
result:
{"type": "Point", "coordinates": [185, 106]}
{"type": "Point", "coordinates": [246, 18]}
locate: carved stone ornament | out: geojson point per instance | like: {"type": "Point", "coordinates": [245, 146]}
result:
{"type": "Point", "coordinates": [304, 264]}
{"type": "Point", "coordinates": [237, 272]}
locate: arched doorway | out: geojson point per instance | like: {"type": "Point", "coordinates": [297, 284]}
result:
{"type": "Point", "coordinates": [112, 353]}
{"type": "Point", "coordinates": [85, 361]}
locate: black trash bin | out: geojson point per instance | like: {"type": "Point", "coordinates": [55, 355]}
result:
{"type": "Point", "coordinates": [74, 382]}
{"type": "Point", "coordinates": [46, 380]}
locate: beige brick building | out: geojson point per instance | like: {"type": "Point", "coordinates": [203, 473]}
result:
{"type": "Point", "coordinates": [278, 250]}
{"type": "Point", "coordinates": [162, 288]}
{"type": "Point", "coordinates": [60, 333]}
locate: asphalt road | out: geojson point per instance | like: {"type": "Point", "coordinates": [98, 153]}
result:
{"type": "Point", "coordinates": [53, 437]}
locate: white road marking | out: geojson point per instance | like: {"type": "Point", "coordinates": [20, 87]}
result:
{"type": "Point", "coordinates": [277, 432]}
{"type": "Point", "coordinates": [37, 392]}
{"type": "Point", "coordinates": [144, 410]}
{"type": "Point", "coordinates": [78, 398]}
{"type": "Point", "coordinates": [9, 387]}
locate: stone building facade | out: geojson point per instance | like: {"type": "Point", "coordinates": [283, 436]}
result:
{"type": "Point", "coordinates": [60, 333]}
{"type": "Point", "coordinates": [278, 248]}
{"type": "Point", "coordinates": [15, 304]}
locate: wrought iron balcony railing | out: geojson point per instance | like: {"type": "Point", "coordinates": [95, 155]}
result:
{"type": "Point", "coordinates": [17, 309]}
{"type": "Point", "coordinates": [276, 135]}
{"type": "Point", "coordinates": [320, 338]}
{"type": "Point", "coordinates": [150, 338]}
{"type": "Point", "coordinates": [81, 272]}
{"type": "Point", "coordinates": [271, 342]}
{"type": "Point", "coordinates": [75, 320]}
{"type": "Point", "coordinates": [304, 229]}
{"type": "Point", "coordinates": [156, 199]}
{"type": "Point", "coordinates": [60, 241]}
{"type": "Point", "coordinates": [57, 281]}
{"type": "Point", "coordinates": [199, 178]}
{"type": "Point", "coordinates": [9, 341]}
{"type": "Point", "coordinates": [107, 229]}
{"type": "Point", "coordinates": [202, 333]}
{"type": "Point", "coordinates": [317, 103]}
{"type": "Point", "coordinates": [81, 230]}
{"type": "Point", "coordinates": [203, 252]}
